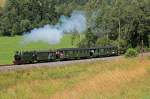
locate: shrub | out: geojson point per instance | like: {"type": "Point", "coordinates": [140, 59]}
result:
{"type": "Point", "coordinates": [131, 53]}
{"type": "Point", "coordinates": [103, 41]}
{"type": "Point", "coordinates": [147, 49]}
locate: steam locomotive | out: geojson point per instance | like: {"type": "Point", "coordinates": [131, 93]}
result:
{"type": "Point", "coordinates": [30, 57]}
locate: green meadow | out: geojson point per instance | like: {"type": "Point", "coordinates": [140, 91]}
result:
{"type": "Point", "coordinates": [9, 45]}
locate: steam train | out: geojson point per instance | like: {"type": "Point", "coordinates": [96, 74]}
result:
{"type": "Point", "coordinates": [30, 57]}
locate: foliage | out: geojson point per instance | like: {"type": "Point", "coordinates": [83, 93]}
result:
{"type": "Point", "coordinates": [126, 22]}
{"type": "Point", "coordinates": [146, 49]}
{"type": "Point", "coordinates": [89, 40]}
{"type": "Point", "coordinates": [21, 16]}
{"type": "Point", "coordinates": [131, 52]}
{"type": "Point", "coordinates": [106, 41]}
{"type": "Point", "coordinates": [103, 41]}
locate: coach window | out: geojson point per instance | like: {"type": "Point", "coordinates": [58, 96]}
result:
{"type": "Point", "coordinates": [101, 50]}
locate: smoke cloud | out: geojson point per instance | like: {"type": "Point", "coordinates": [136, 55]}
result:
{"type": "Point", "coordinates": [52, 34]}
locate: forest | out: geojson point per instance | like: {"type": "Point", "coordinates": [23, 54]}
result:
{"type": "Point", "coordinates": [125, 23]}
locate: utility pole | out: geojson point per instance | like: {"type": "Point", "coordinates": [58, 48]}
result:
{"type": "Point", "coordinates": [142, 47]}
{"type": "Point", "coordinates": [119, 30]}
{"type": "Point", "coordinates": [142, 50]}
{"type": "Point", "coordinates": [105, 29]}
{"type": "Point", "coordinates": [119, 35]}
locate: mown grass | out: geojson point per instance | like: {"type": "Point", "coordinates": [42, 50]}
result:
{"type": "Point", "coordinates": [8, 46]}
{"type": "Point", "coordinates": [115, 79]}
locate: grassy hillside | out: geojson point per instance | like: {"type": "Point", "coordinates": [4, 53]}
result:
{"type": "Point", "coordinates": [116, 79]}
{"type": "Point", "coordinates": [8, 46]}
{"type": "Point", "coordinates": [2, 2]}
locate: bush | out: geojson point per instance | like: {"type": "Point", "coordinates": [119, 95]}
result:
{"type": "Point", "coordinates": [131, 53]}
{"type": "Point", "coordinates": [103, 41]}
{"type": "Point", "coordinates": [146, 49]}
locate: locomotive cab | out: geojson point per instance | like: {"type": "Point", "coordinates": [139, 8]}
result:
{"type": "Point", "coordinates": [17, 58]}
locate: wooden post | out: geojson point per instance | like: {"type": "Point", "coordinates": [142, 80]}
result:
{"type": "Point", "coordinates": [119, 35]}
{"type": "Point", "coordinates": [142, 51]}
{"type": "Point", "coordinates": [119, 31]}
{"type": "Point", "coordinates": [142, 47]}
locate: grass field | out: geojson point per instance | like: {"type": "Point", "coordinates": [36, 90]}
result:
{"type": "Point", "coordinates": [116, 79]}
{"type": "Point", "coordinates": [2, 2]}
{"type": "Point", "coordinates": [8, 46]}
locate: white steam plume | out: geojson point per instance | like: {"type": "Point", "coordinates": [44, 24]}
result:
{"type": "Point", "coordinates": [52, 34]}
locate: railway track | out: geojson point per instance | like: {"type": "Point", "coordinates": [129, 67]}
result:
{"type": "Point", "coordinates": [11, 67]}
{"type": "Point", "coordinates": [7, 65]}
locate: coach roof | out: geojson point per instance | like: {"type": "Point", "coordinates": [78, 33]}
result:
{"type": "Point", "coordinates": [93, 48]}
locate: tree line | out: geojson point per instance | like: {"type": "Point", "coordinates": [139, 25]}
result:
{"type": "Point", "coordinates": [125, 23]}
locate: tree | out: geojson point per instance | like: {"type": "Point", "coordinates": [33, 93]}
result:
{"type": "Point", "coordinates": [125, 20]}
{"type": "Point", "coordinates": [89, 40]}
{"type": "Point", "coordinates": [24, 15]}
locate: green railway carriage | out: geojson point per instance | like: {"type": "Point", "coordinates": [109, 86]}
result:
{"type": "Point", "coordinates": [43, 56]}
{"type": "Point", "coordinates": [105, 51]}
{"type": "Point", "coordinates": [64, 54]}
{"type": "Point", "coordinates": [76, 53]}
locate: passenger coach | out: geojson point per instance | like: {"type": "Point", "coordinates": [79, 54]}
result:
{"type": "Point", "coordinates": [64, 54]}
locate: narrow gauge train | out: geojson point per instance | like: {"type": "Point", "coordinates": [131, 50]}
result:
{"type": "Point", "coordinates": [28, 57]}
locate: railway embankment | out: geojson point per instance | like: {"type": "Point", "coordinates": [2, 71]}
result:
{"type": "Point", "coordinates": [7, 68]}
